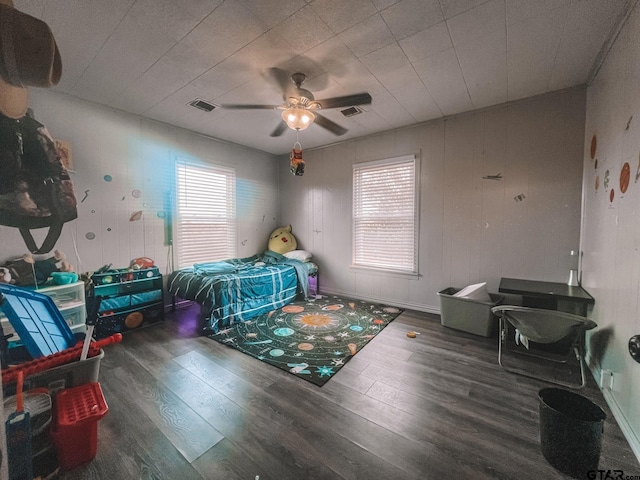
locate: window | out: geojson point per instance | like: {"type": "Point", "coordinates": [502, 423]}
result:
{"type": "Point", "coordinates": [385, 219]}
{"type": "Point", "coordinates": [205, 213]}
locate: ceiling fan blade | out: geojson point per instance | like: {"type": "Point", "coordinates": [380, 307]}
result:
{"type": "Point", "coordinates": [330, 125]}
{"type": "Point", "coordinates": [248, 107]}
{"type": "Point", "coordinates": [281, 79]}
{"type": "Point", "coordinates": [346, 101]}
{"type": "Point", "coordinates": [279, 130]}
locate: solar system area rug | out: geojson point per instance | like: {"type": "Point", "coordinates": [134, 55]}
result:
{"type": "Point", "coordinates": [311, 339]}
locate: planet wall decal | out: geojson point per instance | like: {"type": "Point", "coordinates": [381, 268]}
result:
{"type": "Point", "coordinates": [625, 176]}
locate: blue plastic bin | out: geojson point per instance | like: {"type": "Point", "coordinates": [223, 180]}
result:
{"type": "Point", "coordinates": [37, 320]}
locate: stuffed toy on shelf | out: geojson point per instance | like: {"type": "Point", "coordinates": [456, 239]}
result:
{"type": "Point", "coordinates": [27, 270]}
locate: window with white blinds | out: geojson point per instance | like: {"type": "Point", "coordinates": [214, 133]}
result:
{"type": "Point", "coordinates": [205, 226]}
{"type": "Point", "coordinates": [385, 217]}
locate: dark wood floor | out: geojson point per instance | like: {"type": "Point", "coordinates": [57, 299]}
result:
{"type": "Point", "coordinates": [434, 407]}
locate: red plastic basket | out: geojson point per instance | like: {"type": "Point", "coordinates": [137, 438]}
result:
{"type": "Point", "coordinates": [79, 405]}
{"type": "Point", "coordinates": [75, 434]}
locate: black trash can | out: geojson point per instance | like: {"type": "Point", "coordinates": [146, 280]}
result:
{"type": "Point", "coordinates": [571, 428]}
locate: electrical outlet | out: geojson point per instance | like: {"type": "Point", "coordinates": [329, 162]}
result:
{"type": "Point", "coordinates": [606, 380]}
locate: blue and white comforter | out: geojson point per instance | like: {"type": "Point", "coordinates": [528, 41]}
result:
{"type": "Point", "coordinates": [239, 289]}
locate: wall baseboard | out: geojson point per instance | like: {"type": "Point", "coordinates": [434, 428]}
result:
{"type": "Point", "coordinates": [618, 414]}
{"type": "Point", "coordinates": [387, 301]}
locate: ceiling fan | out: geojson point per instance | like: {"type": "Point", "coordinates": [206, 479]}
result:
{"type": "Point", "coordinates": [300, 108]}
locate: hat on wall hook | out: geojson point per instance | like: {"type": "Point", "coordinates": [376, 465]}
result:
{"type": "Point", "coordinates": [29, 57]}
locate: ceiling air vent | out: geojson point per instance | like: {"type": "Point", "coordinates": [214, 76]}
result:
{"type": "Point", "coordinates": [202, 105]}
{"type": "Point", "coordinates": [351, 111]}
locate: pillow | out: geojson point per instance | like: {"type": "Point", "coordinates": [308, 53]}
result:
{"type": "Point", "coordinates": [301, 255]}
{"type": "Point", "coordinates": [477, 291]}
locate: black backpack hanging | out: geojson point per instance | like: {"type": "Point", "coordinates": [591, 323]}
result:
{"type": "Point", "coordinates": [35, 188]}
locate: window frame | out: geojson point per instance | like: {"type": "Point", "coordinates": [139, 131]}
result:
{"type": "Point", "coordinates": [388, 162]}
{"type": "Point", "coordinates": [227, 211]}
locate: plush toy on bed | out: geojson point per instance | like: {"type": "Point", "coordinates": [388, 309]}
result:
{"type": "Point", "coordinates": [282, 241]}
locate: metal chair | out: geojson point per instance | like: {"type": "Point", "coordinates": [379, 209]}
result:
{"type": "Point", "coordinates": [549, 336]}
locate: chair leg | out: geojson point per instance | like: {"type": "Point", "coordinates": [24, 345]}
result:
{"type": "Point", "coordinates": [502, 337]}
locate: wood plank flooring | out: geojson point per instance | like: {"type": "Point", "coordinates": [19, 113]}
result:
{"type": "Point", "coordinates": [434, 407]}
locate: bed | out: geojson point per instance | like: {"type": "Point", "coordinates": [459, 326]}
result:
{"type": "Point", "coordinates": [239, 289]}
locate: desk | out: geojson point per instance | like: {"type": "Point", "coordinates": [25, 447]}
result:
{"type": "Point", "coordinates": [549, 295]}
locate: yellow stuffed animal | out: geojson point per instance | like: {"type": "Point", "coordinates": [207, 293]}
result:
{"type": "Point", "coordinates": [282, 241]}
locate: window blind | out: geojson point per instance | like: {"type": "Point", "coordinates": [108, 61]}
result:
{"type": "Point", "coordinates": [205, 213]}
{"type": "Point", "coordinates": [385, 214]}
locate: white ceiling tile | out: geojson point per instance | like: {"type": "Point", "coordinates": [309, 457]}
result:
{"type": "Point", "coordinates": [451, 8]}
{"type": "Point", "coordinates": [484, 66]}
{"type": "Point", "coordinates": [225, 76]}
{"type": "Point", "coordinates": [173, 19]}
{"type": "Point", "coordinates": [588, 16]}
{"type": "Point", "coordinates": [531, 53]}
{"type": "Point", "coordinates": [382, 4]}
{"type": "Point", "coordinates": [587, 28]}
{"type": "Point", "coordinates": [304, 30]}
{"type": "Point", "coordinates": [338, 60]}
{"type": "Point", "coordinates": [427, 42]}
{"type": "Point", "coordinates": [143, 36]}
{"type": "Point", "coordinates": [411, 16]}
{"type": "Point", "coordinates": [575, 58]}
{"type": "Point", "coordinates": [229, 28]}
{"type": "Point", "coordinates": [368, 122]}
{"type": "Point", "coordinates": [442, 75]}
{"type": "Point", "coordinates": [272, 12]}
{"type": "Point", "coordinates": [360, 79]}
{"type": "Point", "coordinates": [153, 56]}
{"type": "Point", "coordinates": [477, 22]}
{"type": "Point", "coordinates": [256, 90]}
{"type": "Point", "coordinates": [367, 36]}
{"type": "Point", "coordinates": [389, 109]}
{"type": "Point", "coordinates": [96, 24]}
{"type": "Point", "coordinates": [157, 83]}
{"type": "Point", "coordinates": [205, 46]}
{"type": "Point", "coordinates": [340, 15]}
{"type": "Point", "coordinates": [416, 100]}
{"type": "Point", "coordinates": [269, 50]}
{"type": "Point", "coordinates": [174, 106]}
{"type": "Point", "coordinates": [521, 10]}
{"type": "Point", "coordinates": [386, 61]}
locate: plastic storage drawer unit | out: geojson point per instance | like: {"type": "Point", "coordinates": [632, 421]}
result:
{"type": "Point", "coordinates": [468, 315]}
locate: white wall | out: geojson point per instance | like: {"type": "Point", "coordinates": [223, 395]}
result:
{"type": "Point", "coordinates": [611, 229]}
{"type": "Point", "coordinates": [138, 155]}
{"type": "Point", "coordinates": [471, 229]}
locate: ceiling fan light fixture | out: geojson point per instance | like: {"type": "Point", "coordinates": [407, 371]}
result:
{"type": "Point", "coordinates": [298, 118]}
